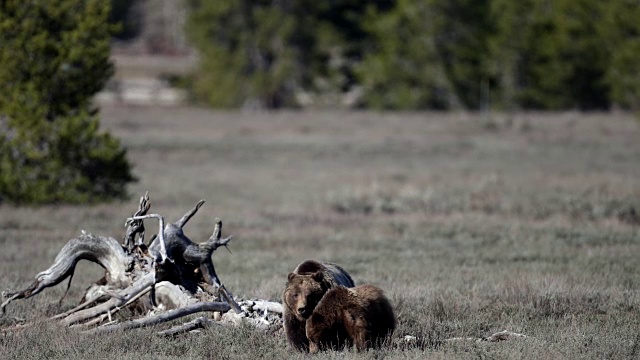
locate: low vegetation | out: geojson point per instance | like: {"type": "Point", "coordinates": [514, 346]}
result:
{"type": "Point", "coordinates": [530, 225]}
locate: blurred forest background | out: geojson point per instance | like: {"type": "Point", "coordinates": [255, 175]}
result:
{"type": "Point", "coordinates": [398, 54]}
{"type": "Point", "coordinates": [58, 57]}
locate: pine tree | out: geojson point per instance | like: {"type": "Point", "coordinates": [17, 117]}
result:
{"type": "Point", "coordinates": [402, 69]}
{"type": "Point", "coordinates": [620, 28]}
{"type": "Point", "coordinates": [54, 57]}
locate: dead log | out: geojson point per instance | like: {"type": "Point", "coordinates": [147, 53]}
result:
{"type": "Point", "coordinates": [499, 336]}
{"type": "Point", "coordinates": [168, 316]}
{"type": "Point", "coordinates": [171, 296]}
{"type": "Point", "coordinates": [188, 256]}
{"type": "Point", "coordinates": [198, 323]}
{"type": "Point", "coordinates": [103, 251]}
{"type": "Point", "coordinates": [274, 307]}
{"type": "Point", "coordinates": [173, 272]}
{"type": "Point", "coordinates": [124, 297]}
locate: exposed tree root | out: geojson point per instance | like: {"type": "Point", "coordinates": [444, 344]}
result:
{"type": "Point", "coordinates": [171, 273]}
{"type": "Point", "coordinates": [103, 251]}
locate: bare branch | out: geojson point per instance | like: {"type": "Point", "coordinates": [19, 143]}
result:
{"type": "Point", "coordinates": [126, 296]}
{"type": "Point", "coordinates": [168, 316]}
{"type": "Point", "coordinates": [163, 246]}
{"type": "Point", "coordinates": [137, 227]}
{"type": "Point", "coordinates": [183, 221]}
{"type": "Point", "coordinates": [274, 307]}
{"type": "Point", "coordinates": [131, 274]}
{"type": "Point", "coordinates": [105, 252]}
{"type": "Point", "coordinates": [198, 323]}
{"type": "Point", "coordinates": [229, 299]}
{"type": "Point", "coordinates": [75, 309]}
{"type": "Point", "coordinates": [499, 336]}
{"type": "Point", "coordinates": [503, 335]}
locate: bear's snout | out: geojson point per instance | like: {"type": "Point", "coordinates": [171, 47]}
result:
{"type": "Point", "coordinates": [303, 311]}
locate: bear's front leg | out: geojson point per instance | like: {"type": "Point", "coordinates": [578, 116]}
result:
{"type": "Point", "coordinates": [296, 332]}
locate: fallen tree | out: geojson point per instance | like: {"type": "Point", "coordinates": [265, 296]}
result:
{"type": "Point", "coordinates": [170, 278]}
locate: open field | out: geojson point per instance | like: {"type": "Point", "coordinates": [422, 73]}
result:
{"type": "Point", "coordinates": [472, 225]}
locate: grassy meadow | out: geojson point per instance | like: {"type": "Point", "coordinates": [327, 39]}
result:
{"type": "Point", "coordinates": [472, 224]}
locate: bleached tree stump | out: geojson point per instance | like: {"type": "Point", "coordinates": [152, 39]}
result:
{"type": "Point", "coordinates": [170, 278]}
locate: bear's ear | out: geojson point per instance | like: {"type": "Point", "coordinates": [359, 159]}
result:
{"type": "Point", "coordinates": [291, 276]}
{"type": "Point", "coordinates": [318, 276]}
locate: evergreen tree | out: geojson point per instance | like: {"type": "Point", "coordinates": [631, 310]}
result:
{"type": "Point", "coordinates": [563, 59]}
{"type": "Point", "coordinates": [619, 27]}
{"type": "Point", "coordinates": [463, 30]}
{"type": "Point", "coordinates": [245, 53]}
{"type": "Point", "coordinates": [415, 54]}
{"type": "Point", "coordinates": [430, 54]}
{"type": "Point", "coordinates": [402, 69]}
{"type": "Point", "coordinates": [266, 53]}
{"type": "Point", "coordinates": [54, 57]}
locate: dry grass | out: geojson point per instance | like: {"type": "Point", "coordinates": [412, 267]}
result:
{"type": "Point", "coordinates": [528, 223]}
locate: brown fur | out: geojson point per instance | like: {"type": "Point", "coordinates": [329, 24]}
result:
{"type": "Point", "coordinates": [362, 316]}
{"type": "Point", "coordinates": [305, 287]}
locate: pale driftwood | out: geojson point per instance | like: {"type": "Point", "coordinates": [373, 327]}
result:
{"type": "Point", "coordinates": [499, 336]}
{"type": "Point", "coordinates": [171, 296]}
{"type": "Point", "coordinates": [137, 227]}
{"type": "Point", "coordinates": [175, 271]}
{"type": "Point", "coordinates": [186, 217]}
{"type": "Point", "coordinates": [504, 335]}
{"type": "Point", "coordinates": [168, 316]}
{"type": "Point", "coordinates": [163, 245]}
{"type": "Point", "coordinates": [188, 255]}
{"type": "Point", "coordinates": [137, 289]}
{"type": "Point", "coordinates": [198, 323]}
{"type": "Point", "coordinates": [75, 309]}
{"type": "Point", "coordinates": [263, 305]}
{"type": "Point", "coordinates": [103, 251]}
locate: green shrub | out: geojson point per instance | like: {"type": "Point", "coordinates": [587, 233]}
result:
{"type": "Point", "coordinates": [54, 57]}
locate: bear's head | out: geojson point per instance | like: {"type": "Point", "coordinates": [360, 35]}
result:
{"type": "Point", "coordinates": [303, 292]}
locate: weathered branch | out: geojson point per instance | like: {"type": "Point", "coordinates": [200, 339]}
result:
{"type": "Point", "coordinates": [503, 335]}
{"type": "Point", "coordinates": [200, 254]}
{"type": "Point", "coordinates": [168, 316]}
{"type": "Point", "coordinates": [163, 245]}
{"type": "Point", "coordinates": [89, 300]}
{"type": "Point", "coordinates": [103, 251]}
{"type": "Point", "coordinates": [171, 296]}
{"type": "Point", "coordinates": [132, 272]}
{"type": "Point", "coordinates": [183, 220]}
{"type": "Point", "coordinates": [499, 336]}
{"type": "Point", "coordinates": [229, 298]}
{"type": "Point", "coordinates": [137, 226]}
{"type": "Point", "coordinates": [274, 307]}
{"type": "Point", "coordinates": [126, 296]}
{"type": "Point", "coordinates": [198, 323]}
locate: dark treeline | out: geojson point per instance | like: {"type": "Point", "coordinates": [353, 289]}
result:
{"type": "Point", "coordinates": [418, 54]}
{"type": "Point", "coordinates": [410, 54]}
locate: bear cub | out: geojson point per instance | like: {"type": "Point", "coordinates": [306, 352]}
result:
{"type": "Point", "coordinates": [361, 315]}
{"type": "Point", "coordinates": [306, 285]}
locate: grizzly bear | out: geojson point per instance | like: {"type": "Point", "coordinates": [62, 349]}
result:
{"type": "Point", "coordinates": [362, 316]}
{"type": "Point", "coordinates": [305, 287]}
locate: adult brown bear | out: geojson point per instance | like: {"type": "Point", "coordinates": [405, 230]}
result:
{"type": "Point", "coordinates": [362, 316]}
{"type": "Point", "coordinates": [305, 287]}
